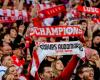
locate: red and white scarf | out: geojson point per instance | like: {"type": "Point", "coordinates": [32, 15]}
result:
{"type": "Point", "coordinates": [40, 54]}
{"type": "Point", "coordinates": [8, 15]}
{"type": "Point", "coordinates": [16, 13]}
{"type": "Point", "coordinates": [89, 10]}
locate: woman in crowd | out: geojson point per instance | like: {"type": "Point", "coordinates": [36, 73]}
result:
{"type": "Point", "coordinates": [57, 67]}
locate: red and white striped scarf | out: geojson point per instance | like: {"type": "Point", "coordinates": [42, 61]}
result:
{"type": "Point", "coordinates": [8, 15]}
{"type": "Point", "coordinates": [89, 10]}
{"type": "Point", "coordinates": [16, 13]}
{"type": "Point", "coordinates": [39, 55]}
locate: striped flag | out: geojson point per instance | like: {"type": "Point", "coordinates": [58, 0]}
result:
{"type": "Point", "coordinates": [38, 57]}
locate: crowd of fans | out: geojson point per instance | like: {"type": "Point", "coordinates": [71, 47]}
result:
{"type": "Point", "coordinates": [16, 55]}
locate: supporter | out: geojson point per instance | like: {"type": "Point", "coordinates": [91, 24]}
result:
{"type": "Point", "coordinates": [7, 49]}
{"type": "Point", "coordinates": [6, 61]}
{"type": "Point", "coordinates": [96, 42]}
{"type": "Point", "coordinates": [16, 37]}
{"type": "Point", "coordinates": [12, 70]}
{"type": "Point", "coordinates": [67, 72]}
{"type": "Point", "coordinates": [93, 56]}
{"type": "Point", "coordinates": [18, 59]}
{"type": "Point", "coordinates": [94, 60]}
{"type": "Point", "coordinates": [84, 25]}
{"type": "Point", "coordinates": [7, 39]}
{"type": "Point", "coordinates": [57, 67]}
{"type": "Point", "coordinates": [84, 72]}
{"type": "Point", "coordinates": [13, 34]}
{"type": "Point", "coordinates": [45, 71]}
{"type": "Point", "coordinates": [8, 77]}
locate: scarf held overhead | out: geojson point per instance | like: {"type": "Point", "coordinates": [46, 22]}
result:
{"type": "Point", "coordinates": [57, 48]}
{"type": "Point", "coordinates": [89, 10]}
{"type": "Point", "coordinates": [57, 31]}
{"type": "Point", "coordinates": [50, 12]}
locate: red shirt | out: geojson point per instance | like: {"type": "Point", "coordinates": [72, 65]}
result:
{"type": "Point", "coordinates": [18, 62]}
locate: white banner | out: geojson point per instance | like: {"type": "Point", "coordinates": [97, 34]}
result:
{"type": "Point", "coordinates": [57, 48]}
{"type": "Point", "coordinates": [61, 48]}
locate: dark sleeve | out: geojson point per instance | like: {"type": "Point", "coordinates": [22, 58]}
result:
{"type": "Point", "coordinates": [87, 4]}
{"type": "Point", "coordinates": [16, 42]}
{"type": "Point", "coordinates": [18, 39]}
{"type": "Point", "coordinates": [31, 47]}
{"type": "Point", "coordinates": [67, 72]}
{"type": "Point", "coordinates": [65, 59]}
{"type": "Point", "coordinates": [97, 73]}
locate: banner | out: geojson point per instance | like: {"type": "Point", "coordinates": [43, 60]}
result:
{"type": "Point", "coordinates": [4, 19]}
{"type": "Point", "coordinates": [7, 15]}
{"type": "Point", "coordinates": [57, 31]}
{"type": "Point", "coordinates": [57, 48]}
{"type": "Point", "coordinates": [61, 48]}
{"type": "Point", "coordinates": [8, 12]}
{"type": "Point", "coordinates": [90, 10]}
{"type": "Point", "coordinates": [52, 11]}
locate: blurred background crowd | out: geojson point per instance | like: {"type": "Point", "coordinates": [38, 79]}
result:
{"type": "Point", "coordinates": [17, 46]}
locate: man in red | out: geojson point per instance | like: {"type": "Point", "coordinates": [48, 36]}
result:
{"type": "Point", "coordinates": [17, 59]}
{"type": "Point", "coordinates": [65, 74]}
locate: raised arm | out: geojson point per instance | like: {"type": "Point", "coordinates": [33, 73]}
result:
{"type": "Point", "coordinates": [67, 72]}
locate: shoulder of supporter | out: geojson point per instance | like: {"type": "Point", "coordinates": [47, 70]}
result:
{"type": "Point", "coordinates": [22, 78]}
{"type": "Point", "coordinates": [2, 71]}
{"type": "Point", "coordinates": [3, 68]}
